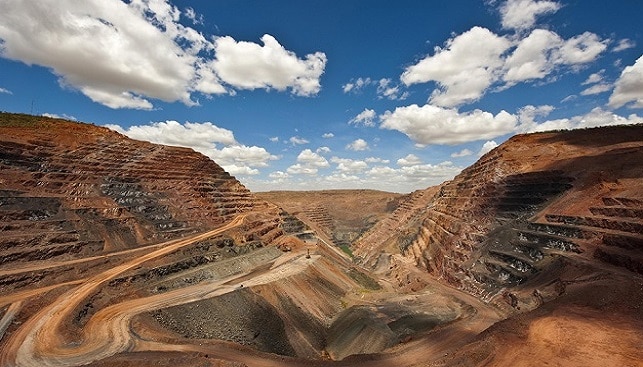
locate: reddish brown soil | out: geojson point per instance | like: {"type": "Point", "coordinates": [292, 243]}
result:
{"type": "Point", "coordinates": [124, 253]}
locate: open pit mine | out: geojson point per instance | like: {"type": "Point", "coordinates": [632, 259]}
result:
{"type": "Point", "coordinates": [116, 252]}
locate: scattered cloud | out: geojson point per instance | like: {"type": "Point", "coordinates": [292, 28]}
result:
{"type": "Point", "coordinates": [193, 16]}
{"type": "Point", "coordinates": [215, 142]}
{"type": "Point", "coordinates": [521, 14]}
{"type": "Point", "coordinates": [569, 98]}
{"type": "Point", "coordinates": [308, 163]}
{"type": "Point", "coordinates": [409, 160]}
{"type": "Point", "coordinates": [310, 158]}
{"type": "Point", "coordinates": [328, 135]}
{"type": "Point", "coordinates": [628, 88]}
{"type": "Point", "coordinates": [436, 125]}
{"type": "Point", "coordinates": [597, 84]}
{"type": "Point", "coordinates": [580, 49]}
{"type": "Point", "coordinates": [543, 51]}
{"type": "Point", "coordinates": [274, 139]}
{"type": "Point", "coordinates": [387, 90]}
{"type": "Point", "coordinates": [296, 140]}
{"type": "Point", "coordinates": [247, 65]}
{"type": "Point", "coordinates": [366, 118]}
{"type": "Point", "coordinates": [280, 176]}
{"type": "Point", "coordinates": [139, 51]}
{"type": "Point", "coordinates": [529, 116]}
{"type": "Point", "coordinates": [594, 78]}
{"type": "Point", "coordinates": [487, 147]}
{"type": "Point", "coordinates": [463, 153]}
{"type": "Point", "coordinates": [358, 145]}
{"type": "Point", "coordinates": [597, 89]}
{"type": "Point", "coordinates": [623, 45]}
{"type": "Point", "coordinates": [5, 91]}
{"type": "Point", "coordinates": [419, 175]}
{"type": "Point", "coordinates": [351, 173]}
{"type": "Point", "coordinates": [357, 85]}
{"type": "Point", "coordinates": [532, 57]}
{"type": "Point", "coordinates": [349, 166]}
{"type": "Point", "coordinates": [471, 63]}
{"type": "Point", "coordinates": [384, 88]}
{"type": "Point", "coordinates": [323, 150]}
{"type": "Point", "coordinates": [63, 116]}
{"type": "Point", "coordinates": [376, 160]}
{"type": "Point", "coordinates": [463, 69]}
{"type": "Point", "coordinates": [300, 169]}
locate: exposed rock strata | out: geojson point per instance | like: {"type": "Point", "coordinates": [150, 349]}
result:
{"type": "Point", "coordinates": [71, 191]}
{"type": "Point", "coordinates": [507, 218]}
{"type": "Point", "coordinates": [545, 230]}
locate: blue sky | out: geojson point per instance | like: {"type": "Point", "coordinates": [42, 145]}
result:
{"type": "Point", "coordinates": [306, 95]}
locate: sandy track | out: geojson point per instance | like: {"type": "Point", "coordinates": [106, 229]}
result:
{"type": "Point", "coordinates": [108, 332]}
{"type": "Point", "coordinates": [36, 343]}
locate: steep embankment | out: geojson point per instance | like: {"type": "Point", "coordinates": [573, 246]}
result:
{"type": "Point", "coordinates": [85, 189]}
{"type": "Point", "coordinates": [341, 215]}
{"type": "Point", "coordinates": [549, 222]}
{"type": "Point", "coordinates": [111, 246]}
{"type": "Point", "coordinates": [98, 228]}
{"type": "Point", "coordinates": [506, 219]}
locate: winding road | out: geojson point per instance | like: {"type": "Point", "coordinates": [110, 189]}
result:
{"type": "Point", "coordinates": [39, 342]}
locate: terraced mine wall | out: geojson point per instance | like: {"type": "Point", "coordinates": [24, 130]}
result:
{"type": "Point", "coordinates": [104, 228]}
{"type": "Point", "coordinates": [523, 211]}
{"type": "Point", "coordinates": [73, 190]}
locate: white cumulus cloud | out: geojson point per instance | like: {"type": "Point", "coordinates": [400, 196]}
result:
{"type": "Point", "coordinates": [463, 153]}
{"type": "Point", "coordinates": [473, 62]}
{"type": "Point", "coordinates": [386, 89]}
{"type": "Point", "coordinates": [123, 54]}
{"type": "Point", "coordinates": [358, 145]}
{"type": "Point", "coordinates": [628, 88]}
{"type": "Point", "coordinates": [349, 166]}
{"type": "Point", "coordinates": [323, 150]}
{"type": "Point", "coordinates": [247, 65]}
{"type": "Point", "coordinates": [596, 117]}
{"type": "Point", "coordinates": [366, 118]}
{"type": "Point", "coordinates": [376, 160]}
{"type": "Point", "coordinates": [430, 124]}
{"type": "Point", "coordinates": [357, 85]}
{"type": "Point", "coordinates": [623, 45]}
{"type": "Point", "coordinates": [310, 158]}
{"type": "Point", "coordinates": [308, 163]}
{"type": "Point", "coordinates": [409, 160]}
{"type": "Point", "coordinates": [215, 142]}
{"type": "Point", "coordinates": [487, 147]}
{"type": "Point", "coordinates": [463, 69]}
{"type": "Point", "coordinates": [597, 89]}
{"type": "Point", "coordinates": [521, 14]}
{"type": "Point", "coordinates": [532, 57]}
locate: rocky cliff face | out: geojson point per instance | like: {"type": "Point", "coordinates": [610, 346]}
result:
{"type": "Point", "coordinates": [523, 210]}
{"type": "Point", "coordinates": [71, 190]}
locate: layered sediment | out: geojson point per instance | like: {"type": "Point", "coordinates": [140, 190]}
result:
{"type": "Point", "coordinates": [522, 208]}
{"type": "Point", "coordinates": [121, 252]}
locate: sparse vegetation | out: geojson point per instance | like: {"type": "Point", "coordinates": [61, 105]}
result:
{"type": "Point", "coordinates": [347, 250]}
{"type": "Point", "coordinates": [19, 120]}
{"type": "Point", "coordinates": [364, 280]}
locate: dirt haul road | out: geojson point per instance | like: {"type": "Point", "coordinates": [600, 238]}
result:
{"type": "Point", "coordinates": [37, 342]}
{"type": "Point", "coordinates": [108, 332]}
